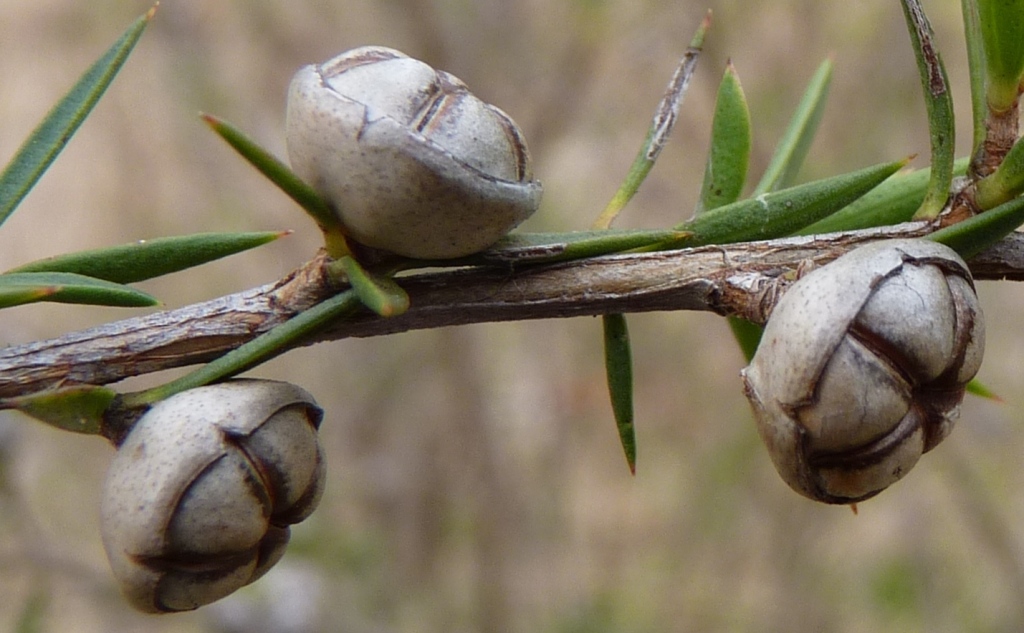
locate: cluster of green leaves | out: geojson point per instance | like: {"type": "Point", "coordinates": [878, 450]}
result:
{"type": "Point", "coordinates": [99, 276]}
{"type": "Point", "coordinates": [876, 196]}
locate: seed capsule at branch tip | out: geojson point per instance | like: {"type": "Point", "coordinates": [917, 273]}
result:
{"type": "Point", "coordinates": [409, 159]}
{"type": "Point", "coordinates": [863, 365]}
{"type": "Point", "coordinates": [199, 498]}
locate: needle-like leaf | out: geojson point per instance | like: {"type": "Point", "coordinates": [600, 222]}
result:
{"type": "Point", "coordinates": [69, 288]}
{"type": "Point", "coordinates": [785, 163]}
{"type": "Point", "coordinates": [1002, 32]}
{"type": "Point", "coordinates": [146, 259]}
{"type": "Point", "coordinates": [661, 127]}
{"type": "Point", "coordinates": [1006, 182]}
{"type": "Point", "coordinates": [976, 71]}
{"type": "Point", "coordinates": [618, 358]}
{"type": "Point", "coordinates": [256, 351]}
{"type": "Point", "coordinates": [792, 149]}
{"type": "Point", "coordinates": [973, 235]}
{"type": "Point", "coordinates": [976, 388]}
{"type": "Point", "coordinates": [782, 212]}
{"type": "Point", "coordinates": [939, 104]}
{"type": "Point", "coordinates": [892, 202]}
{"type": "Point", "coordinates": [53, 133]}
{"type": "Point", "coordinates": [725, 171]}
{"type": "Point", "coordinates": [281, 175]}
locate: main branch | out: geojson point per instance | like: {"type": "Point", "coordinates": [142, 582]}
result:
{"type": "Point", "coordinates": [738, 279]}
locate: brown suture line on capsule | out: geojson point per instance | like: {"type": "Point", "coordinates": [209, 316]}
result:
{"type": "Point", "coordinates": [873, 452]}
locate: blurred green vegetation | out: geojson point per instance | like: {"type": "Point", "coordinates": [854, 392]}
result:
{"type": "Point", "coordinates": [476, 481]}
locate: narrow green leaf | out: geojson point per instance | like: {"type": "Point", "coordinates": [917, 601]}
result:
{"type": "Point", "coordinates": [976, 72]}
{"type": "Point", "coordinates": [19, 295]}
{"type": "Point", "coordinates": [780, 213]}
{"type": "Point", "coordinates": [379, 293]}
{"type": "Point", "coordinates": [664, 120]}
{"type": "Point", "coordinates": [1006, 182]}
{"type": "Point", "coordinates": [973, 235]}
{"type": "Point", "coordinates": [792, 149]}
{"type": "Point", "coordinates": [278, 173]}
{"type": "Point", "coordinates": [54, 132]}
{"type": "Point", "coordinates": [146, 259]}
{"type": "Point", "coordinates": [262, 348]}
{"type": "Point", "coordinates": [725, 171]}
{"type": "Point", "coordinates": [72, 288]}
{"type": "Point", "coordinates": [552, 247]}
{"type": "Point", "coordinates": [785, 163]}
{"type": "Point", "coordinates": [976, 388]}
{"type": "Point", "coordinates": [617, 353]}
{"type": "Point", "coordinates": [747, 334]}
{"type": "Point", "coordinates": [892, 202]}
{"type": "Point", "coordinates": [618, 358]}
{"type": "Point", "coordinates": [1002, 31]}
{"type": "Point", "coordinates": [78, 409]}
{"type": "Point", "coordinates": [939, 104]}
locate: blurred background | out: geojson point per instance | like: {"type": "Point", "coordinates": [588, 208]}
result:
{"type": "Point", "coordinates": [476, 482]}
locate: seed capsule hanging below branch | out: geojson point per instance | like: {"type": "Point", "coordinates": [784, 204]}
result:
{"type": "Point", "coordinates": [409, 159]}
{"type": "Point", "coordinates": [863, 365]}
{"type": "Point", "coordinates": [199, 498]}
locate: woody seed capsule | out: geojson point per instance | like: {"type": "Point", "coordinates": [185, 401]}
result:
{"type": "Point", "coordinates": [409, 159]}
{"type": "Point", "coordinates": [198, 499]}
{"type": "Point", "coordinates": [863, 365]}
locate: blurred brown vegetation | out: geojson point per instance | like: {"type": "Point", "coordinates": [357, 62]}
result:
{"type": "Point", "coordinates": [476, 482]}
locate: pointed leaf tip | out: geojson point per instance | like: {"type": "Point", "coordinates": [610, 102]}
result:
{"type": "Point", "coordinates": [619, 372]}
{"type": "Point", "coordinates": [665, 116]}
{"type": "Point", "coordinates": [146, 259]}
{"type": "Point", "coordinates": [976, 388]}
{"type": "Point", "coordinates": [49, 138]}
{"type": "Point", "coordinates": [725, 170]}
{"type": "Point", "coordinates": [939, 105]}
{"type": "Point", "coordinates": [784, 211]}
{"type": "Point", "coordinates": [702, 30]}
{"type": "Point", "coordinates": [278, 172]}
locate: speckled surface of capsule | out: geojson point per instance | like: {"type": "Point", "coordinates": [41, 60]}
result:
{"type": "Point", "coordinates": [199, 498]}
{"type": "Point", "coordinates": [408, 158]}
{"type": "Point", "coordinates": [863, 365]}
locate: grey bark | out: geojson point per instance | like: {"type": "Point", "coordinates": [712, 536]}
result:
{"type": "Point", "coordinates": [738, 279]}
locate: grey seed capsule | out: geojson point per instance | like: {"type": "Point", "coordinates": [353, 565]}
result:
{"type": "Point", "coordinates": [409, 159]}
{"type": "Point", "coordinates": [863, 365]}
{"type": "Point", "coordinates": [198, 499]}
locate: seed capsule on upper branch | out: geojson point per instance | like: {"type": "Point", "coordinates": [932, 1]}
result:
{"type": "Point", "coordinates": [863, 365]}
{"type": "Point", "coordinates": [409, 159]}
{"type": "Point", "coordinates": [199, 498]}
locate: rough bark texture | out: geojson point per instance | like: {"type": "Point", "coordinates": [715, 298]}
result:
{"type": "Point", "coordinates": [739, 279]}
{"type": "Point", "coordinates": [1000, 134]}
